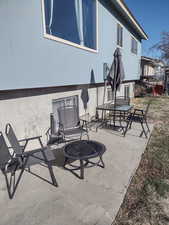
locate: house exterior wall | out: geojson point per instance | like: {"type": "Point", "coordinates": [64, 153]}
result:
{"type": "Point", "coordinates": [30, 116]}
{"type": "Point", "coordinates": [27, 59]}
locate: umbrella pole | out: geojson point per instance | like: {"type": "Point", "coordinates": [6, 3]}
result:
{"type": "Point", "coordinates": [105, 85]}
{"type": "Point", "coordinates": [114, 116]}
{"type": "Point", "coordinates": [97, 103]}
{"type": "Point", "coordinates": [114, 95]}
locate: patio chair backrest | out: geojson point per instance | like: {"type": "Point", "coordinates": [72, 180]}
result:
{"type": "Point", "coordinates": [68, 116]}
{"type": "Point", "coordinates": [4, 152]}
{"type": "Point", "coordinates": [121, 100]}
{"type": "Point", "coordinates": [61, 102]}
{"type": "Point", "coordinates": [13, 139]}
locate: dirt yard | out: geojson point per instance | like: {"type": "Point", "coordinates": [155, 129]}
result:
{"type": "Point", "coordinates": [147, 199]}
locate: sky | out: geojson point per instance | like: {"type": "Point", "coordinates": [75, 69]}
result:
{"type": "Point", "coordinates": [153, 16]}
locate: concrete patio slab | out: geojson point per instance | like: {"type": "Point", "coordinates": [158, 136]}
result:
{"type": "Point", "coordinates": [92, 201]}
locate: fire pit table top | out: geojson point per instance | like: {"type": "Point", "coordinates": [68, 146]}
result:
{"type": "Point", "coordinates": [84, 149]}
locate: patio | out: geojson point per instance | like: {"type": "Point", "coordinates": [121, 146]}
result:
{"type": "Point", "coordinates": [94, 200]}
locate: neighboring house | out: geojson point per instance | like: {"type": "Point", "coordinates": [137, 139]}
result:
{"type": "Point", "coordinates": [153, 74]}
{"type": "Point", "coordinates": [49, 48]}
{"type": "Point", "coordinates": [152, 68]}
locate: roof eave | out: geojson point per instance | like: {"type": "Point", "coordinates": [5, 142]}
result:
{"type": "Point", "coordinates": [130, 18]}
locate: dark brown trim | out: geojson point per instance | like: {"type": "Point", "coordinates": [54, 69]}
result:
{"type": "Point", "coordinates": [128, 81]}
{"type": "Point", "coordinates": [29, 92]}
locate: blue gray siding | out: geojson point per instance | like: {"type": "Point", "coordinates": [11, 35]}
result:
{"type": "Point", "coordinates": [29, 60]}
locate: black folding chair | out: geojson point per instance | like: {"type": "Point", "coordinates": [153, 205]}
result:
{"type": "Point", "coordinates": [10, 166]}
{"type": "Point", "coordinates": [139, 116]}
{"type": "Point", "coordinates": [122, 100]}
{"type": "Point", "coordinates": [42, 154]}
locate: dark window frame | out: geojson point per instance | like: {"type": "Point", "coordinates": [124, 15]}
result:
{"type": "Point", "coordinates": [126, 91]}
{"type": "Point", "coordinates": [134, 45]}
{"type": "Point", "coordinates": [119, 35]}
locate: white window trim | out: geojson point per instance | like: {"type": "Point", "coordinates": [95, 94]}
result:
{"type": "Point", "coordinates": [51, 37]}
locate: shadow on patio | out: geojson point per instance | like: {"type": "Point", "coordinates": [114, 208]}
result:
{"type": "Point", "coordinates": [94, 200]}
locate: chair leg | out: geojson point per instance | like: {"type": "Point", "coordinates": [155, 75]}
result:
{"type": "Point", "coordinates": [11, 185]}
{"type": "Point", "coordinates": [127, 127]}
{"type": "Point", "coordinates": [130, 124]}
{"type": "Point", "coordinates": [81, 169]}
{"type": "Point", "coordinates": [102, 163]}
{"type": "Point", "coordinates": [143, 131]}
{"type": "Point", "coordinates": [54, 182]}
{"type": "Point", "coordinates": [87, 135]}
{"type": "Point", "coordinates": [52, 174]}
{"type": "Point", "coordinates": [81, 136]}
{"type": "Point", "coordinates": [147, 125]}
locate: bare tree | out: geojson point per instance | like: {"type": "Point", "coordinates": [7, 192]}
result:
{"type": "Point", "coordinates": [163, 46]}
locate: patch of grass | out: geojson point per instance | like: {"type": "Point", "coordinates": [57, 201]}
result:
{"type": "Point", "coordinates": [158, 185]}
{"type": "Point", "coordinates": [139, 205]}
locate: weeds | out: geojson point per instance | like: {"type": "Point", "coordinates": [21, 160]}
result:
{"type": "Point", "coordinates": [150, 185]}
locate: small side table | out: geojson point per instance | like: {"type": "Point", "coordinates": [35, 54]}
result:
{"type": "Point", "coordinates": [84, 151]}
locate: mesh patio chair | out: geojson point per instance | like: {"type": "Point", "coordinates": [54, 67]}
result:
{"type": "Point", "coordinates": [70, 126]}
{"type": "Point", "coordinates": [43, 156]}
{"type": "Point", "coordinates": [139, 116]}
{"type": "Point", "coordinates": [10, 166]}
{"type": "Point", "coordinates": [119, 116]}
{"type": "Point", "coordinates": [53, 135]}
{"type": "Point", "coordinates": [122, 100]}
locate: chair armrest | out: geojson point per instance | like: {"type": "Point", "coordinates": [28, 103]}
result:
{"type": "Point", "coordinates": [19, 154]}
{"type": "Point", "coordinates": [29, 139]}
{"type": "Point", "coordinates": [141, 110]}
{"type": "Point", "coordinates": [138, 111]}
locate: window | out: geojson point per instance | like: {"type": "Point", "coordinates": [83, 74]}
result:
{"type": "Point", "coordinates": [133, 45]}
{"type": "Point", "coordinates": [119, 35]}
{"type": "Point", "coordinates": [66, 101]}
{"type": "Point", "coordinates": [61, 102]}
{"type": "Point", "coordinates": [71, 21]}
{"type": "Point", "coordinates": [109, 94]}
{"type": "Point", "coordinates": [126, 91]}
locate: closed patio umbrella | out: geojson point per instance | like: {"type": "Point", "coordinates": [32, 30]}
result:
{"type": "Point", "coordinates": [118, 71]}
{"type": "Point", "coordinates": [116, 74]}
